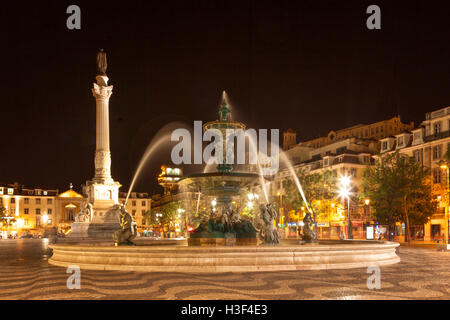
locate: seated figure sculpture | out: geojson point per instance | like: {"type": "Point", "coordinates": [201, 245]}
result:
{"type": "Point", "coordinates": [268, 233]}
{"type": "Point", "coordinates": [308, 236]}
{"type": "Point", "coordinates": [86, 214]}
{"type": "Point", "coordinates": [128, 229]}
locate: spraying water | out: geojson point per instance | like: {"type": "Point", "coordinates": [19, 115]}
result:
{"type": "Point", "coordinates": [261, 174]}
{"type": "Point", "coordinates": [198, 202]}
{"type": "Point", "coordinates": [162, 137]}
{"type": "Point", "coordinates": [294, 176]}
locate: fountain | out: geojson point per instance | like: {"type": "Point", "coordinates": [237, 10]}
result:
{"type": "Point", "coordinates": [224, 226]}
{"type": "Point", "coordinates": [224, 241]}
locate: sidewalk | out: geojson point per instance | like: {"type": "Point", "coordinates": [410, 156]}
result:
{"type": "Point", "coordinates": [421, 244]}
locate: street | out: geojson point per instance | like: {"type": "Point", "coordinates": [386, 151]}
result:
{"type": "Point", "coordinates": [422, 274]}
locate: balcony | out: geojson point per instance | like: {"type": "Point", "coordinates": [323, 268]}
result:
{"type": "Point", "coordinates": [437, 136]}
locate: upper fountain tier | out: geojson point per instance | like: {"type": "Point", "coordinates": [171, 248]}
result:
{"type": "Point", "coordinates": [225, 122]}
{"type": "Point", "coordinates": [223, 184]}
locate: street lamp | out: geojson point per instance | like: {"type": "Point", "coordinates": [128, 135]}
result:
{"type": "Point", "coordinates": [367, 208]}
{"type": "Point", "coordinates": [444, 166]}
{"type": "Point", "coordinates": [280, 209]}
{"type": "Point", "coordinates": [344, 192]}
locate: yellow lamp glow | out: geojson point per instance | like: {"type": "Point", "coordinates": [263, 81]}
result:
{"type": "Point", "coordinates": [20, 223]}
{"type": "Point", "coordinates": [345, 181]}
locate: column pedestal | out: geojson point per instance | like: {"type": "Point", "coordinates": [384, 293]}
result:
{"type": "Point", "coordinates": [102, 191]}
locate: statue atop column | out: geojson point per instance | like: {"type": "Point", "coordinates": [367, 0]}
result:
{"type": "Point", "coordinates": [101, 63]}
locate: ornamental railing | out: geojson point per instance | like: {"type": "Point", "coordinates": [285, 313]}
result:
{"type": "Point", "coordinates": [437, 136]}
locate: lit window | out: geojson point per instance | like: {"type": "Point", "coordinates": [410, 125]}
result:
{"type": "Point", "coordinates": [437, 175]}
{"type": "Point", "coordinates": [437, 152]}
{"type": "Point", "coordinates": [418, 155]}
{"type": "Point", "coordinates": [437, 127]}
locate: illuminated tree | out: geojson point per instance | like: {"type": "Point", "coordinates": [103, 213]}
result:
{"type": "Point", "coordinates": [319, 189]}
{"type": "Point", "coordinates": [399, 189]}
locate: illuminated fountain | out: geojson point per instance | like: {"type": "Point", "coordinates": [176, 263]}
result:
{"type": "Point", "coordinates": [225, 226]}
{"type": "Point", "coordinates": [223, 243]}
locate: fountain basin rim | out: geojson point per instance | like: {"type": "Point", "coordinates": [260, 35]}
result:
{"type": "Point", "coordinates": [224, 259]}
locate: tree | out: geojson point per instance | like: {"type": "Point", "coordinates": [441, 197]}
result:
{"type": "Point", "coordinates": [319, 189]}
{"type": "Point", "coordinates": [399, 189]}
{"type": "Point", "coordinates": [247, 205]}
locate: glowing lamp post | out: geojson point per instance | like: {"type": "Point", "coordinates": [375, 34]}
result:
{"type": "Point", "coordinates": [344, 192]}
{"type": "Point", "coordinates": [444, 166]}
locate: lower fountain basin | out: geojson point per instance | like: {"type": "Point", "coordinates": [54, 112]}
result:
{"type": "Point", "coordinates": [334, 255]}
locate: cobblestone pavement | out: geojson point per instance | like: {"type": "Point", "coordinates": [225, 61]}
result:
{"type": "Point", "coordinates": [26, 274]}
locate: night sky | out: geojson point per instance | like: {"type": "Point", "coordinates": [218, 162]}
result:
{"type": "Point", "coordinates": [309, 65]}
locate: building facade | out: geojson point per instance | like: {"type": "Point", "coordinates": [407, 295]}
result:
{"type": "Point", "coordinates": [347, 157]}
{"type": "Point", "coordinates": [377, 130]}
{"type": "Point", "coordinates": [428, 144]}
{"type": "Point", "coordinates": [34, 210]}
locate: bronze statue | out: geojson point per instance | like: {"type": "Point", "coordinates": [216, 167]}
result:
{"type": "Point", "coordinates": [308, 235]}
{"type": "Point", "coordinates": [101, 63]}
{"type": "Point", "coordinates": [128, 229]}
{"type": "Point", "coordinates": [268, 232]}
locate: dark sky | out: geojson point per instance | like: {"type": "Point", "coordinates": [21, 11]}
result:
{"type": "Point", "coordinates": [309, 65]}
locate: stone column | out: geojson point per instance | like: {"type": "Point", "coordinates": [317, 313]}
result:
{"type": "Point", "coordinates": [102, 92]}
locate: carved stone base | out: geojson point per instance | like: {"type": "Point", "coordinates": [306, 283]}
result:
{"type": "Point", "coordinates": [228, 241]}
{"type": "Point", "coordinates": [211, 242]}
{"type": "Point", "coordinates": [89, 230]}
